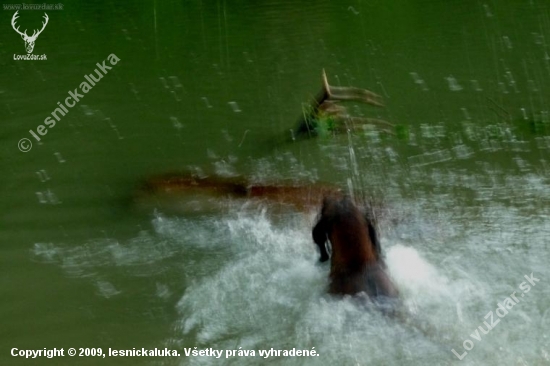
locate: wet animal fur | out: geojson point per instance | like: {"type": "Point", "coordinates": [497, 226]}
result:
{"type": "Point", "coordinates": [356, 262]}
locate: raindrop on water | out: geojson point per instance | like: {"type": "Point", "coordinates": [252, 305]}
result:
{"type": "Point", "coordinates": [453, 83]}
{"type": "Point", "coordinates": [206, 102]}
{"type": "Point", "coordinates": [234, 106]}
{"type": "Point", "coordinates": [42, 175]}
{"type": "Point", "coordinates": [59, 157]}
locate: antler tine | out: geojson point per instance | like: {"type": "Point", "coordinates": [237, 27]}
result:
{"type": "Point", "coordinates": [13, 19]}
{"type": "Point", "coordinates": [326, 86]}
{"type": "Point", "coordinates": [43, 24]}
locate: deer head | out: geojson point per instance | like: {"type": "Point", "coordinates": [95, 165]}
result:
{"type": "Point", "coordinates": [29, 41]}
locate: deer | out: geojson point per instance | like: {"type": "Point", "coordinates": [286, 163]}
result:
{"type": "Point", "coordinates": [29, 41]}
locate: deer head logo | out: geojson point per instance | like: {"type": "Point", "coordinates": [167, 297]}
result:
{"type": "Point", "coordinates": [29, 41]}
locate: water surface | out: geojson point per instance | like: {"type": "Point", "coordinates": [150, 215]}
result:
{"type": "Point", "coordinates": [213, 87]}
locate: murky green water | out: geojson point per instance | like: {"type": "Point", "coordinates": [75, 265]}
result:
{"type": "Point", "coordinates": [213, 87]}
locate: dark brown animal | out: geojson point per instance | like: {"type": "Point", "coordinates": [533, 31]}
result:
{"type": "Point", "coordinates": [357, 268]}
{"type": "Point", "coordinates": [356, 263]}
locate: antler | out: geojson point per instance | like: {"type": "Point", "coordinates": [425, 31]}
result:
{"type": "Point", "coordinates": [326, 104]}
{"type": "Point", "coordinates": [13, 19]}
{"type": "Point", "coordinates": [24, 34]}
{"type": "Point", "coordinates": [36, 33]}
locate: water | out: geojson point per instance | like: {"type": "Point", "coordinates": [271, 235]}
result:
{"type": "Point", "coordinates": [213, 88]}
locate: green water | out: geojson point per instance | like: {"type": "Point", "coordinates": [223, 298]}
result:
{"type": "Point", "coordinates": [215, 87]}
